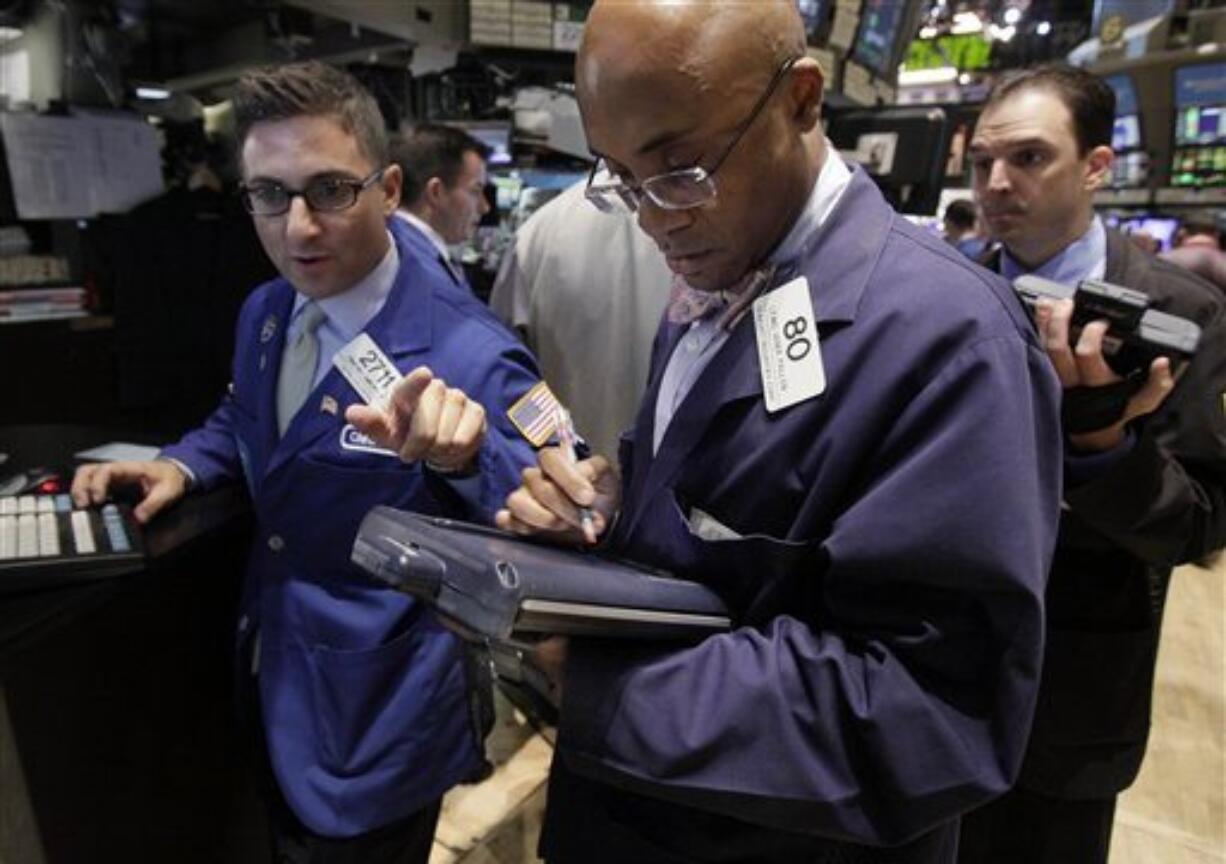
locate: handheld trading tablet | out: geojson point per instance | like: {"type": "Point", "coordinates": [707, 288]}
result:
{"type": "Point", "coordinates": [493, 584]}
{"type": "Point", "coordinates": [1137, 334]}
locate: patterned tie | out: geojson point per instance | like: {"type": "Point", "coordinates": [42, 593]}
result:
{"type": "Point", "coordinates": [298, 365]}
{"type": "Point", "coordinates": [687, 304]}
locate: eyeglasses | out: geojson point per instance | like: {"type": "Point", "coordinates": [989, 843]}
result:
{"type": "Point", "coordinates": [673, 190]}
{"type": "Point", "coordinates": [324, 195]}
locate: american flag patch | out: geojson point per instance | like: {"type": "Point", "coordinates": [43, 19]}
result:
{"type": "Point", "coordinates": [535, 414]}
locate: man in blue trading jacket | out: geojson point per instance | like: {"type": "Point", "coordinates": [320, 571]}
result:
{"type": "Point", "coordinates": [361, 693]}
{"type": "Point", "coordinates": [444, 189]}
{"type": "Point", "coordinates": [879, 520]}
{"type": "Point", "coordinates": [1145, 477]}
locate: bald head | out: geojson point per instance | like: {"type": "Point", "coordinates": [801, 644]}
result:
{"type": "Point", "coordinates": [671, 85]}
{"type": "Point", "coordinates": [709, 42]}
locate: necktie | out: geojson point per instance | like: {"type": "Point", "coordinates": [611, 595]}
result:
{"type": "Point", "coordinates": [298, 365]}
{"type": "Point", "coordinates": [686, 304]}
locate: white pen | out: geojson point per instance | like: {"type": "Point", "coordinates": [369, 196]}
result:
{"type": "Point", "coordinates": [567, 437]}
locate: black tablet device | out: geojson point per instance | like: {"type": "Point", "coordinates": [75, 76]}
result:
{"type": "Point", "coordinates": [491, 585]}
{"type": "Point", "coordinates": [1137, 334]}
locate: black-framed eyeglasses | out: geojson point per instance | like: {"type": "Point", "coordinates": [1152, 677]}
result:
{"type": "Point", "coordinates": [322, 195]}
{"type": "Point", "coordinates": [673, 190]}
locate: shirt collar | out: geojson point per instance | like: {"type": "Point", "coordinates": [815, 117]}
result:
{"type": "Point", "coordinates": [1084, 258]}
{"type": "Point", "coordinates": [350, 311]}
{"type": "Point", "coordinates": [831, 181]}
{"type": "Point", "coordinates": [424, 227]}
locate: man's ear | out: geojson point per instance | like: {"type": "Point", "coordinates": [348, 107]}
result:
{"type": "Point", "coordinates": [434, 192]}
{"type": "Point", "coordinates": [392, 185]}
{"type": "Point", "coordinates": [805, 91]}
{"type": "Point", "coordinates": [1098, 167]}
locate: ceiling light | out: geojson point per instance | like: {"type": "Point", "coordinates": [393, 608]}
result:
{"type": "Point", "coordinates": [152, 93]}
{"type": "Point", "coordinates": [1043, 28]}
{"type": "Point", "coordinates": [1013, 15]}
{"type": "Point", "coordinates": [966, 22]}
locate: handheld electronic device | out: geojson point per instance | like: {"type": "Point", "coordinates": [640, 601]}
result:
{"type": "Point", "coordinates": [489, 585]}
{"type": "Point", "coordinates": [1137, 334]}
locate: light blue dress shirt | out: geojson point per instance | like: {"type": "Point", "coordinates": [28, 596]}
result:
{"type": "Point", "coordinates": [348, 312]}
{"type": "Point", "coordinates": [1084, 258]}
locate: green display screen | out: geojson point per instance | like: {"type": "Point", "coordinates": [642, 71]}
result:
{"type": "Point", "coordinates": [965, 52]}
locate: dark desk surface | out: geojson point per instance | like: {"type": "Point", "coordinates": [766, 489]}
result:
{"type": "Point", "coordinates": [168, 539]}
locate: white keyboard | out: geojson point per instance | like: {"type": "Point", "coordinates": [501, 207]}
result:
{"type": "Point", "coordinates": [38, 532]}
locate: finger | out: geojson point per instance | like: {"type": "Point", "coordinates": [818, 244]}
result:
{"type": "Point", "coordinates": [450, 414]}
{"type": "Point", "coordinates": [466, 439]}
{"type": "Point", "coordinates": [527, 510]}
{"type": "Point", "coordinates": [548, 495]}
{"type": "Point", "coordinates": [409, 390]}
{"type": "Point", "coordinates": [423, 428]}
{"type": "Point", "coordinates": [1157, 387]}
{"type": "Point", "coordinates": [98, 484]}
{"type": "Point", "coordinates": [562, 470]}
{"type": "Point", "coordinates": [507, 522]}
{"type": "Point", "coordinates": [471, 432]}
{"type": "Point", "coordinates": [160, 494]}
{"type": "Point", "coordinates": [1092, 368]}
{"type": "Point", "coordinates": [80, 485]}
{"type": "Point", "coordinates": [372, 422]}
{"type": "Point", "coordinates": [1053, 320]}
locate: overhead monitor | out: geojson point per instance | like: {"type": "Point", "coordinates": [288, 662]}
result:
{"type": "Point", "coordinates": [816, 17]}
{"type": "Point", "coordinates": [1161, 228]}
{"type": "Point", "coordinates": [494, 134]}
{"type": "Point", "coordinates": [1115, 15]}
{"type": "Point", "coordinates": [1199, 155]}
{"type": "Point", "coordinates": [902, 149]}
{"type": "Point", "coordinates": [886, 29]}
{"type": "Point", "coordinates": [1131, 168]}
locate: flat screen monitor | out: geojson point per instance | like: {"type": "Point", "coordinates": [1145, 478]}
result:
{"type": "Point", "coordinates": [494, 134]}
{"type": "Point", "coordinates": [816, 17]}
{"type": "Point", "coordinates": [1126, 133]}
{"type": "Point", "coordinates": [1127, 11]}
{"type": "Point", "coordinates": [1199, 155]}
{"type": "Point", "coordinates": [902, 148]}
{"type": "Point", "coordinates": [886, 29]}
{"type": "Point", "coordinates": [1161, 228]}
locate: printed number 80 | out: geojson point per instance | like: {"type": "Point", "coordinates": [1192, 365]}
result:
{"type": "Point", "coordinates": [798, 344]}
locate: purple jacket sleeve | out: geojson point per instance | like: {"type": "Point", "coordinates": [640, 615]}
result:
{"type": "Point", "coordinates": [903, 694]}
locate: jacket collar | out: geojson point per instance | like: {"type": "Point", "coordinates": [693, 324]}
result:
{"type": "Point", "coordinates": [838, 261]}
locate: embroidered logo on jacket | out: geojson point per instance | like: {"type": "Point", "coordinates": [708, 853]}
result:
{"type": "Point", "coordinates": [352, 439]}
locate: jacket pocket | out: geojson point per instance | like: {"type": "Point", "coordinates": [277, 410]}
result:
{"type": "Point", "coordinates": [758, 575]}
{"type": "Point", "coordinates": [386, 703]}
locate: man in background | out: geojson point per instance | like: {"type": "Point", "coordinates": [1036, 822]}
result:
{"type": "Point", "coordinates": [961, 229]}
{"type": "Point", "coordinates": [444, 188]}
{"type": "Point", "coordinates": [1198, 248]}
{"type": "Point", "coordinates": [585, 290]}
{"type": "Point", "coordinates": [1145, 467]}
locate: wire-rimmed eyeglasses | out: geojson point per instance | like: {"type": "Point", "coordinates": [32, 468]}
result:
{"type": "Point", "coordinates": [673, 190]}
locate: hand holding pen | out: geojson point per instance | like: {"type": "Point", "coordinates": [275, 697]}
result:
{"type": "Point", "coordinates": [567, 438]}
{"type": "Point", "coordinates": [561, 497]}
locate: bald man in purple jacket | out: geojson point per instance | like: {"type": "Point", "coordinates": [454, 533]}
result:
{"type": "Point", "coordinates": [849, 431]}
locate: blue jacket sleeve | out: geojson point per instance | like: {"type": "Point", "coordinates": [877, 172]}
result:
{"type": "Point", "coordinates": [210, 452]}
{"type": "Point", "coordinates": [903, 696]}
{"type": "Point", "coordinates": [497, 384]}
